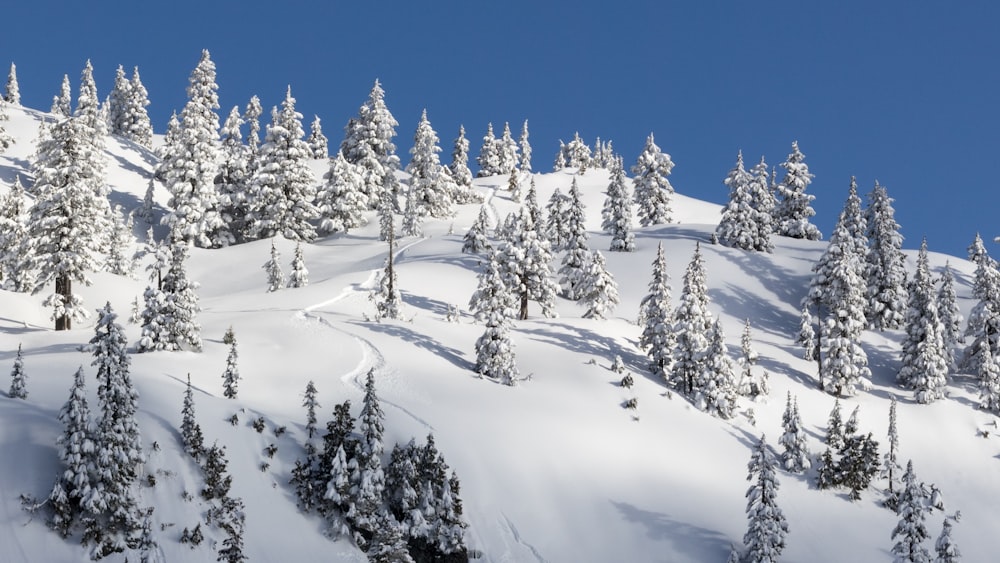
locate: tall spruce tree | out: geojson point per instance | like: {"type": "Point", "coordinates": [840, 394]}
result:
{"type": "Point", "coordinates": [317, 141]}
{"type": "Point", "coordinates": [795, 455]}
{"type": "Point", "coordinates": [493, 305]}
{"type": "Point", "coordinates": [886, 265]}
{"type": "Point", "coordinates": [12, 94]}
{"type": "Point", "coordinates": [924, 366]}
{"type": "Point", "coordinates": [763, 202]}
{"type": "Point", "coordinates": [656, 319]}
{"type": "Point", "coordinates": [14, 271]}
{"type": "Point", "coordinates": [617, 212]}
{"type": "Point", "coordinates": [911, 529]}
{"type": "Point", "coordinates": [475, 239]}
{"type": "Point", "coordinates": [984, 319]}
{"type": "Point", "coordinates": [231, 375]}
{"type": "Point", "coordinates": [767, 526]}
{"type": "Point", "coordinates": [430, 182]}
{"type": "Point", "coordinates": [385, 294]}
{"type": "Point", "coordinates": [233, 181]}
{"type": "Point", "coordinates": [340, 201]}
{"type": "Point", "coordinates": [18, 379]}
{"type": "Point", "coordinates": [368, 143]}
{"type": "Point", "coordinates": [191, 437]}
{"type": "Point", "coordinates": [945, 547]}
{"type": "Point", "coordinates": [692, 326]}
{"type": "Point", "coordinates": [951, 316]}
{"type": "Point", "coordinates": [892, 471]}
{"type": "Point", "coordinates": [489, 155]}
{"type": "Point", "coordinates": [299, 277]}
{"type": "Point", "coordinates": [459, 170]}
{"type": "Point", "coordinates": [62, 102]}
{"type": "Point", "coordinates": [368, 482]}
{"type": "Point", "coordinates": [275, 277]}
{"type": "Point", "coordinates": [717, 392]}
{"type": "Point", "coordinates": [652, 189]}
{"type": "Point", "coordinates": [77, 454]}
{"type": "Point", "coordinates": [794, 207]}
{"type": "Point", "coordinates": [577, 252]}
{"type": "Point", "coordinates": [738, 227]}
{"type": "Point", "coordinates": [556, 231]}
{"type": "Point", "coordinates": [598, 291]}
{"type": "Point", "coordinates": [507, 151]}
{"type": "Point", "coordinates": [526, 259]}
{"type": "Point", "coordinates": [525, 146]}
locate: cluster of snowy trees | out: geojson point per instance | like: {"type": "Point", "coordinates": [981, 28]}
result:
{"type": "Point", "coordinates": [409, 510]}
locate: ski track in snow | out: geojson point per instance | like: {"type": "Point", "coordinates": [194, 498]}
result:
{"type": "Point", "coordinates": [506, 522]}
{"type": "Point", "coordinates": [371, 357]}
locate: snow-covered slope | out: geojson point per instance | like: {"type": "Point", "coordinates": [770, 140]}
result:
{"type": "Point", "coordinates": [551, 470]}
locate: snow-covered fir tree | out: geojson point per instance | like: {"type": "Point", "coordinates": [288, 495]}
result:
{"type": "Point", "coordinates": [495, 357]}
{"type": "Point", "coordinates": [924, 365]}
{"type": "Point", "coordinates": [251, 115]}
{"type": "Point", "coordinates": [794, 206]}
{"type": "Point", "coordinates": [617, 212]}
{"type": "Point", "coordinates": [275, 277]}
{"type": "Point", "coordinates": [847, 246]}
{"type": "Point", "coordinates": [12, 93]}
{"type": "Point", "coordinates": [317, 141]}
{"type": "Point", "coordinates": [989, 378]}
{"type": "Point", "coordinates": [556, 231]}
{"type": "Point", "coordinates": [169, 319]}
{"type": "Point", "coordinates": [283, 188]}
{"type": "Point", "coordinates": [340, 201]}
{"type": "Point", "coordinates": [525, 147]}
{"type": "Point", "coordinates": [233, 180]}
{"type": "Point", "coordinates": [806, 336]}
{"type": "Point", "coordinates": [14, 265]}
{"type": "Point", "coordinates": [506, 151]}
{"type": "Point", "coordinates": [859, 464]}
{"type": "Point", "coordinates": [489, 155]}
{"type": "Point", "coordinates": [656, 319]}
{"type": "Point", "coordinates": [598, 289]}
{"type": "Point", "coordinates": [692, 326]}
{"type": "Point", "coordinates": [748, 385]}
{"type": "Point", "coordinates": [77, 453]}
{"type": "Point", "coordinates": [62, 102]}
{"type": "Point", "coordinates": [299, 276]}
{"type": "Point", "coordinates": [492, 296]}
{"type": "Point", "coordinates": [192, 163]}
{"type": "Point", "coordinates": [191, 436]}
{"type": "Point", "coordinates": [576, 154]}
{"type": "Point", "coordinates": [368, 482]}
{"type": "Point", "coordinates": [763, 201]}
{"type": "Point", "coordinates": [652, 189]}
{"type": "Point", "coordinates": [892, 471]}
{"type": "Point", "coordinates": [311, 404]}
{"type": "Point", "coordinates": [475, 240]}
{"type": "Point", "coordinates": [526, 259]}
{"type": "Point", "coordinates": [231, 375]}
{"type": "Point", "coordinates": [6, 139]}
{"type": "Point", "coordinates": [945, 546]}
{"type": "Point", "coordinates": [385, 294]}
{"type": "Point", "coordinates": [119, 259]}
{"type": "Point", "coordinates": [514, 186]}
{"type": "Point", "coordinates": [140, 129]}
{"type": "Point", "coordinates": [767, 526]}
{"type": "Point", "coordinates": [577, 252]}
{"type": "Point", "coordinates": [413, 216]}
{"type": "Point", "coordinates": [886, 265]}
{"type": "Point", "coordinates": [118, 103]}
{"type": "Point", "coordinates": [64, 231]}
{"type": "Point", "coordinates": [984, 319]}
{"type": "Point", "coordinates": [950, 315]}
{"type": "Point", "coordinates": [911, 530]}
{"type": "Point", "coordinates": [368, 143]}
{"type": "Point", "coordinates": [716, 393]}
{"type": "Point", "coordinates": [795, 451]}
{"type": "Point", "coordinates": [18, 379]}
{"type": "Point", "coordinates": [531, 203]}
{"type": "Point", "coordinates": [430, 182]}
{"type": "Point", "coordinates": [738, 227]}
{"type": "Point", "coordinates": [459, 170]}
{"type": "Point", "coordinates": [560, 161]}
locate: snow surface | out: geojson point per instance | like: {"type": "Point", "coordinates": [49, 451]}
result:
{"type": "Point", "coordinates": [551, 470]}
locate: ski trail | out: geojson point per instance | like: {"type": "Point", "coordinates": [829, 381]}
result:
{"type": "Point", "coordinates": [509, 525]}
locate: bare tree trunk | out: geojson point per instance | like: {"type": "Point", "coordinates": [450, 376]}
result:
{"type": "Point", "coordinates": [64, 287]}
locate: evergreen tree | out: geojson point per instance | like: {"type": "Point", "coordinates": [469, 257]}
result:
{"type": "Point", "coordinates": [493, 306]}
{"type": "Point", "coordinates": [492, 296]}
{"type": "Point", "coordinates": [717, 392]}
{"type": "Point", "coordinates": [794, 207]}
{"type": "Point", "coordinates": [183, 330]}
{"type": "Point", "coordinates": [989, 379]}
{"type": "Point", "coordinates": [489, 155]}
{"type": "Point", "coordinates": [951, 317]}
{"type": "Point", "coordinates": [577, 154]}
{"type": "Point", "coordinates": [6, 139]}
{"type": "Point", "coordinates": [514, 186]}
{"type": "Point", "coordinates": [692, 325]}
{"type": "Point", "coordinates": [368, 143]}
{"type": "Point", "coordinates": [763, 202]}
{"type": "Point", "coordinates": [526, 259]}
{"type": "Point", "coordinates": [807, 336]}
{"type": "Point", "coordinates": [118, 118]}
{"type": "Point", "coordinates": [652, 190]}
{"type": "Point", "coordinates": [556, 229]}
{"type": "Point", "coordinates": [368, 483]}
{"type": "Point", "coordinates": [13, 92]}
{"type": "Point", "coordinates": [283, 187]}
{"type": "Point", "coordinates": [506, 151]}
{"type": "Point", "coordinates": [191, 436]}
{"type": "Point", "coordinates": [430, 182]}
{"type": "Point", "coordinates": [317, 141]}
{"type": "Point", "coordinates": [560, 161]}
{"type": "Point", "coordinates": [536, 213]}
{"type": "Point", "coordinates": [119, 259]}
{"type": "Point", "coordinates": [859, 463]}
{"type": "Point", "coordinates": [577, 252]}
{"type": "Point", "coordinates": [233, 181]}
{"type": "Point", "coordinates": [275, 277]}
{"type": "Point", "coordinates": [340, 201]}
{"type": "Point", "coordinates": [947, 551]}
{"type": "Point", "coordinates": [251, 115]}
{"type": "Point", "coordinates": [231, 376]}
{"type": "Point", "coordinates": [310, 403]}
{"type": "Point", "coordinates": [767, 526]}
{"type": "Point", "coordinates": [795, 457]}
{"type": "Point", "coordinates": [617, 212]}
{"type": "Point", "coordinates": [886, 265]}
{"type": "Point", "coordinates": [984, 319]}
{"type": "Point", "coordinates": [388, 544]}
{"type": "Point", "coordinates": [386, 292]}
{"type": "Point", "coordinates": [835, 428]}
{"type": "Point", "coordinates": [656, 319]}
{"type": "Point", "coordinates": [748, 385]}
{"type": "Point", "coordinates": [911, 529]}
{"type": "Point", "coordinates": [459, 170]}
{"type": "Point", "coordinates": [924, 366]}
{"type": "Point", "coordinates": [738, 227]}
{"type": "Point", "coordinates": [847, 246]}
{"type": "Point", "coordinates": [61, 103]}
{"type": "Point", "coordinates": [891, 469]}
{"type": "Point", "coordinates": [14, 273]}
{"type": "Point", "coordinates": [525, 148]}
{"type": "Point", "coordinates": [140, 129]}
{"type": "Point", "coordinates": [192, 163]}
{"type": "Point", "coordinates": [64, 231]}
{"type": "Point", "coordinates": [475, 240]}
{"type": "Point", "coordinates": [77, 454]}
{"type": "Point", "coordinates": [18, 380]}
{"type": "Point", "coordinates": [598, 291]}
{"type": "Point", "coordinates": [300, 275]}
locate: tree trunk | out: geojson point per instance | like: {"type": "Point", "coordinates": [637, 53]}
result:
{"type": "Point", "coordinates": [64, 287]}
{"type": "Point", "coordinates": [819, 347]}
{"type": "Point", "coordinates": [523, 315]}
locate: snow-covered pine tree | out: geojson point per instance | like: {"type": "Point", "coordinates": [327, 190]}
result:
{"type": "Point", "coordinates": [617, 212]}
{"type": "Point", "coordinates": [945, 547]}
{"type": "Point", "coordinates": [716, 394]}
{"type": "Point", "coordinates": [192, 163]}
{"type": "Point", "coordinates": [848, 239]}
{"type": "Point", "coordinates": [886, 265]}
{"type": "Point", "coordinates": [118, 118]}
{"type": "Point", "coordinates": [984, 319]}
{"type": "Point", "coordinates": [951, 316]}
{"type": "Point", "coordinates": [492, 294]}
{"type": "Point", "coordinates": [556, 231]}
{"type": "Point", "coordinates": [506, 151]}
{"type": "Point", "coordinates": [763, 202]}
{"type": "Point", "coordinates": [489, 155]}
{"type": "Point", "coordinates": [692, 326]}
{"type": "Point", "coordinates": [340, 201]}
{"type": "Point", "coordinates": [251, 115]}
{"type": "Point", "coordinates": [299, 277]}
{"type": "Point", "coordinates": [652, 189]}
{"type": "Point", "coordinates": [401, 488]}
{"type": "Point", "coordinates": [18, 379]}
{"type": "Point", "coordinates": [76, 452]}
{"type": "Point", "coordinates": [368, 143]}
{"type": "Point", "coordinates": [283, 187]}
{"type": "Point", "coordinates": [368, 482]}
{"type": "Point", "coordinates": [828, 471]}
{"type": "Point", "coordinates": [748, 385]}
{"type": "Point", "coordinates": [6, 139]}
{"type": "Point", "coordinates": [537, 215]}
{"type": "Point", "coordinates": [767, 526]}
{"type": "Point", "coordinates": [577, 154]}
{"type": "Point", "coordinates": [656, 319]}
{"type": "Point", "coordinates": [525, 146]}
{"type": "Point", "coordinates": [598, 291]}
{"type": "Point", "coordinates": [385, 294]}
{"type": "Point", "coordinates": [430, 182]}
{"type": "Point", "coordinates": [795, 455]}
{"type": "Point", "coordinates": [233, 180]}
{"type": "Point", "coordinates": [911, 529]}
{"type": "Point", "coordinates": [310, 403]}
{"type": "Point", "coordinates": [64, 231]}
{"type": "Point", "coordinates": [388, 544]}
{"type": "Point", "coordinates": [62, 102]}
{"type": "Point", "coordinates": [924, 365]}
{"type": "Point", "coordinates": [140, 129]}
{"type": "Point", "coordinates": [806, 335]}
{"type": "Point", "coordinates": [577, 252]}
{"type": "Point", "coordinates": [329, 486]}
{"type": "Point", "coordinates": [12, 94]}
{"type": "Point", "coordinates": [892, 471]}
{"type": "Point", "coordinates": [14, 273]}
{"type": "Point", "coordinates": [317, 141]}
{"type": "Point", "coordinates": [191, 436]}
{"type": "Point", "coordinates": [460, 173]}
{"type": "Point", "coordinates": [989, 378]}
{"type": "Point", "coordinates": [493, 305]}
{"type": "Point", "coordinates": [514, 186]}
{"type": "Point", "coordinates": [231, 375]}
{"type": "Point", "coordinates": [526, 260]}
{"type": "Point", "coordinates": [181, 330]}
{"type": "Point", "coordinates": [275, 277]}
{"type": "Point", "coordinates": [386, 220]}
{"type": "Point", "coordinates": [560, 161]}
{"type": "Point", "coordinates": [738, 227]}
{"type": "Point", "coordinates": [794, 206]}
{"type": "Point", "coordinates": [859, 463]}
{"type": "Point", "coordinates": [475, 239]}
{"type": "Point", "coordinates": [119, 259]}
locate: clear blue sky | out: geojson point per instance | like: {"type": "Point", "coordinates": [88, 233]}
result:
{"type": "Point", "coordinates": [905, 92]}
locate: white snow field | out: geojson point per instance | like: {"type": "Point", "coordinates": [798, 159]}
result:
{"type": "Point", "coordinates": [553, 469]}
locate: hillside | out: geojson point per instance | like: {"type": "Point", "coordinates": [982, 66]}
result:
{"type": "Point", "coordinates": [553, 469]}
